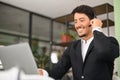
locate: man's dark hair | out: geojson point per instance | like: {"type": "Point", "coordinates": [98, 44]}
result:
{"type": "Point", "coordinates": [85, 10]}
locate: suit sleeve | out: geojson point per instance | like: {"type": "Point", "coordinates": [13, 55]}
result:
{"type": "Point", "coordinates": [115, 46]}
{"type": "Point", "coordinates": [108, 47]}
{"type": "Point", "coordinates": [61, 67]}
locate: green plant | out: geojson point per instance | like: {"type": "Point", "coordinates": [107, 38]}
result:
{"type": "Point", "coordinates": [40, 57]}
{"type": "Point", "coordinates": [39, 54]}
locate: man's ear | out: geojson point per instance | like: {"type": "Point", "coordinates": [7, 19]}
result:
{"type": "Point", "coordinates": [91, 22]}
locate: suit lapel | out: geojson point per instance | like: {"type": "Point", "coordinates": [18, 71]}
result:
{"type": "Point", "coordinates": [79, 52]}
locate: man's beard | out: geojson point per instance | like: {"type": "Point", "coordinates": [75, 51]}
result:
{"type": "Point", "coordinates": [82, 35]}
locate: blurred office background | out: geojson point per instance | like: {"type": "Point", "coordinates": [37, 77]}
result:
{"type": "Point", "coordinates": [42, 24]}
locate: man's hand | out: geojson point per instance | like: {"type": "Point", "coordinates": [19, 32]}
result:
{"type": "Point", "coordinates": [96, 23]}
{"type": "Point", "coordinates": [40, 71]}
{"type": "Point", "coordinates": [43, 72]}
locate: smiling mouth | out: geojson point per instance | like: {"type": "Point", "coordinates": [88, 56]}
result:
{"type": "Point", "coordinates": [80, 28]}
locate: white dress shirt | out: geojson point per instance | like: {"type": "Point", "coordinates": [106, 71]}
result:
{"type": "Point", "coordinates": [85, 46]}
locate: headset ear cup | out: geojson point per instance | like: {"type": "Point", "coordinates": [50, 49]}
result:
{"type": "Point", "coordinates": [90, 25]}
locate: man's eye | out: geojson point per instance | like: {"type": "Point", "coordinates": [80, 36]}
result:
{"type": "Point", "coordinates": [81, 20]}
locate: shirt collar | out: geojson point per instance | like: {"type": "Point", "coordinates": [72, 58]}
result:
{"type": "Point", "coordinates": [88, 41]}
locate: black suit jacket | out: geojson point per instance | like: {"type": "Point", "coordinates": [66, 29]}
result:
{"type": "Point", "coordinates": [99, 60]}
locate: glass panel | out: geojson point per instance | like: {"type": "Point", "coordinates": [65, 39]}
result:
{"type": "Point", "coordinates": [41, 28]}
{"type": "Point", "coordinates": [58, 30]}
{"type": "Point", "coordinates": [13, 22]}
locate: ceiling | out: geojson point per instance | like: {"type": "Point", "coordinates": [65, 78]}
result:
{"type": "Point", "coordinates": [54, 8]}
{"type": "Point", "coordinates": [49, 8]}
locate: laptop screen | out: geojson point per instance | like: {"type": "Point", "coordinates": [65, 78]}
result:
{"type": "Point", "coordinates": [18, 55]}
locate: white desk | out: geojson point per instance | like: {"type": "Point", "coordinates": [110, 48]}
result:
{"type": "Point", "coordinates": [34, 77]}
{"type": "Point", "coordinates": [15, 74]}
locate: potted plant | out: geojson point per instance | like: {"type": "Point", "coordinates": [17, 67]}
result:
{"type": "Point", "coordinates": [68, 37]}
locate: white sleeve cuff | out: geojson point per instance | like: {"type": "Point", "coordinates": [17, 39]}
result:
{"type": "Point", "coordinates": [97, 29]}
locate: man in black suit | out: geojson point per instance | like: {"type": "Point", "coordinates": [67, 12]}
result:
{"type": "Point", "coordinates": [91, 57]}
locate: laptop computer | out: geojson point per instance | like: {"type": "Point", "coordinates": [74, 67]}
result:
{"type": "Point", "coordinates": [18, 55]}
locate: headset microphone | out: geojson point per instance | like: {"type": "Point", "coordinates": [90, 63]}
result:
{"type": "Point", "coordinates": [90, 25]}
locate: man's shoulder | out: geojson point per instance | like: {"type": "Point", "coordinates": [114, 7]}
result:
{"type": "Point", "coordinates": [75, 43]}
{"type": "Point", "coordinates": [113, 40]}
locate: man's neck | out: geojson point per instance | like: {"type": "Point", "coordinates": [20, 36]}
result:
{"type": "Point", "coordinates": [87, 37]}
